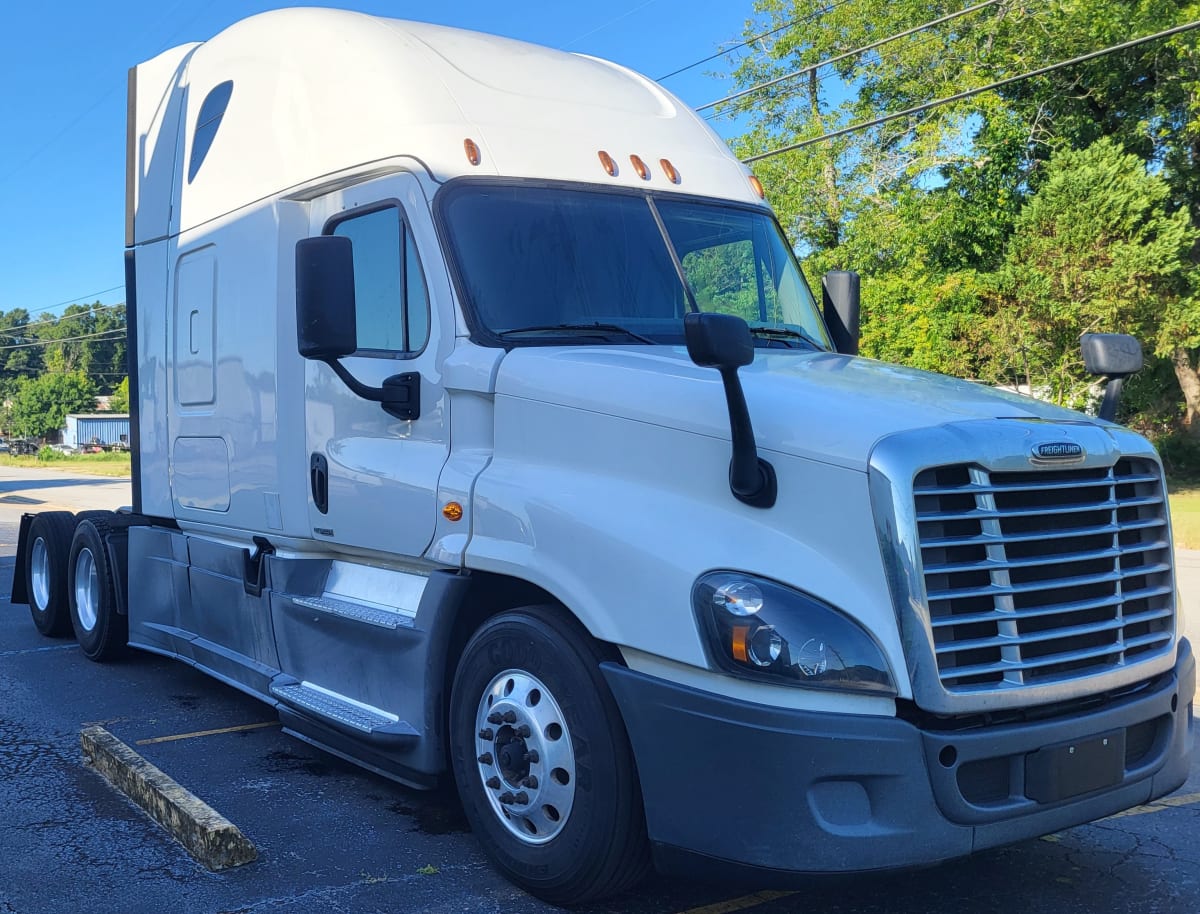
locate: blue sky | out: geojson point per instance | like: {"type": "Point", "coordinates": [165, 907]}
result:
{"type": "Point", "coordinates": [63, 67]}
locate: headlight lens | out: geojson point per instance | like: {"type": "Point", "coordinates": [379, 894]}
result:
{"type": "Point", "coordinates": [759, 628]}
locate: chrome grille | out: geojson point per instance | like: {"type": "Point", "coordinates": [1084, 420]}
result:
{"type": "Point", "coordinates": [1038, 576]}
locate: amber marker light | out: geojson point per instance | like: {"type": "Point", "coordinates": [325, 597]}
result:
{"type": "Point", "coordinates": [453, 511]}
{"type": "Point", "coordinates": [643, 171]}
{"type": "Point", "coordinates": [609, 163]}
{"type": "Point", "coordinates": [474, 156]}
{"type": "Point", "coordinates": [740, 638]}
{"type": "Point", "coordinates": [670, 171]}
{"type": "Point", "coordinates": [756, 186]}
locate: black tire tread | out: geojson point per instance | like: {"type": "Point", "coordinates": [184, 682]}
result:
{"type": "Point", "coordinates": [56, 527]}
{"type": "Point", "coordinates": [113, 627]}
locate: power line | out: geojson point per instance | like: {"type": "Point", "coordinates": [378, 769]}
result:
{"type": "Point", "coordinates": [969, 93]}
{"type": "Point", "coordinates": [70, 301]}
{"type": "Point", "coordinates": [37, 325]}
{"type": "Point", "coordinates": [843, 56]}
{"type": "Point", "coordinates": [749, 41]}
{"type": "Point", "coordinates": [67, 339]}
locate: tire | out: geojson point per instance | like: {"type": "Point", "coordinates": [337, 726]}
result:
{"type": "Point", "coordinates": [101, 631]}
{"type": "Point", "coordinates": [46, 572]}
{"type": "Point", "coordinates": [566, 825]}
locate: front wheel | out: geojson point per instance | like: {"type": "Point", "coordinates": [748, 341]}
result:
{"type": "Point", "coordinates": [542, 761]}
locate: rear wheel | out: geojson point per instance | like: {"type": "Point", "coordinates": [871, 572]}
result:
{"type": "Point", "coordinates": [102, 632]}
{"type": "Point", "coordinates": [46, 572]}
{"type": "Point", "coordinates": [542, 761]}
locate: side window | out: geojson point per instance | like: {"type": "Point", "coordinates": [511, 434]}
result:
{"type": "Point", "coordinates": [391, 301]}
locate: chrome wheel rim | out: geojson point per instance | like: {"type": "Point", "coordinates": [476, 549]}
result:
{"type": "Point", "coordinates": [525, 758]}
{"type": "Point", "coordinates": [39, 574]}
{"type": "Point", "coordinates": [87, 589]}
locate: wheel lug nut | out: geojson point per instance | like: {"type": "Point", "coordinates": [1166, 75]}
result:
{"type": "Point", "coordinates": [521, 799]}
{"type": "Point", "coordinates": [510, 717]}
{"type": "Point", "coordinates": [486, 733]}
{"type": "Point", "coordinates": [493, 783]}
{"type": "Point", "coordinates": [531, 782]}
{"type": "Point", "coordinates": [523, 731]}
{"type": "Point", "coordinates": [531, 756]}
{"type": "Point", "coordinates": [495, 718]}
{"type": "Point", "coordinates": [507, 798]}
{"type": "Point", "coordinates": [485, 759]}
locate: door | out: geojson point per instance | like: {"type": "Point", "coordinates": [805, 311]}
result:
{"type": "Point", "coordinates": [372, 477]}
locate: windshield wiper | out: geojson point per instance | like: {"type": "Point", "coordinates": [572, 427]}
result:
{"type": "Point", "coordinates": [785, 334]}
{"type": "Point", "coordinates": [597, 329]}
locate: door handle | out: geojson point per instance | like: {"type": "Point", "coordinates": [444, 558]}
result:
{"type": "Point", "coordinates": [318, 479]}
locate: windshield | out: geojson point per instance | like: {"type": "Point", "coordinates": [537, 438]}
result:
{"type": "Point", "coordinates": [538, 264]}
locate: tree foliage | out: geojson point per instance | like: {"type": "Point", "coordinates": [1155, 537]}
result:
{"type": "Point", "coordinates": [39, 406]}
{"type": "Point", "coordinates": [991, 232]}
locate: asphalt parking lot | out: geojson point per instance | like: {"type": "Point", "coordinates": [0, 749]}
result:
{"type": "Point", "coordinates": [334, 838]}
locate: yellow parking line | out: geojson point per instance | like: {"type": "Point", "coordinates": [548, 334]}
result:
{"type": "Point", "coordinates": [1159, 805]}
{"type": "Point", "coordinates": [738, 904]}
{"type": "Point", "coordinates": [240, 727]}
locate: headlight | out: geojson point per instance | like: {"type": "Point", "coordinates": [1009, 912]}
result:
{"type": "Point", "coordinates": [758, 628]}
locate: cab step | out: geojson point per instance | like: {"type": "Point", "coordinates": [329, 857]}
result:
{"type": "Point", "coordinates": [344, 714]}
{"type": "Point", "coordinates": [356, 611]}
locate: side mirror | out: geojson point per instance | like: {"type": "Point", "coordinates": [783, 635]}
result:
{"type": "Point", "coordinates": [1114, 356]}
{"type": "Point", "coordinates": [325, 324]}
{"type": "Point", "coordinates": [716, 340]}
{"type": "Point", "coordinates": [841, 299]}
{"type": "Point", "coordinates": [723, 342]}
{"type": "Point", "coordinates": [326, 327]}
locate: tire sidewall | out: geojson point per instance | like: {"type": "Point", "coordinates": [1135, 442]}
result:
{"type": "Point", "coordinates": [514, 641]}
{"type": "Point", "coordinates": [54, 530]}
{"type": "Point", "coordinates": [103, 639]}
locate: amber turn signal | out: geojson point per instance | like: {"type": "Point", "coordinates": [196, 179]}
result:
{"type": "Point", "coordinates": [453, 511]}
{"type": "Point", "coordinates": [474, 156]}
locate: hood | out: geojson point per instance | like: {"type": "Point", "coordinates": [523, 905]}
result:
{"type": "Point", "coordinates": [818, 405]}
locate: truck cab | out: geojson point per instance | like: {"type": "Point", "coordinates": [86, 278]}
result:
{"type": "Point", "coordinates": [486, 427]}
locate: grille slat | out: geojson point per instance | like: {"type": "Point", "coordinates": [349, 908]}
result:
{"type": "Point", "coordinates": [1042, 575]}
{"type": "Point", "coordinates": [986, 539]}
{"type": "Point", "coordinates": [1053, 609]}
{"type": "Point", "coordinates": [999, 590]}
{"type": "Point", "coordinates": [1034, 561]}
{"type": "Point", "coordinates": [1053, 511]}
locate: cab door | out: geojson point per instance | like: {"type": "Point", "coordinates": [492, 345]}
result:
{"type": "Point", "coordinates": [372, 478]}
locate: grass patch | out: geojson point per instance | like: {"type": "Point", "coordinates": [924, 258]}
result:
{"type": "Point", "coordinates": [108, 464]}
{"type": "Point", "coordinates": [1185, 513]}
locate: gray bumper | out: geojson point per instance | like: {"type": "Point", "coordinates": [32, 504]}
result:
{"type": "Point", "coordinates": [735, 789]}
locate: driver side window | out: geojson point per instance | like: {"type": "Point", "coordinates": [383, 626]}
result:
{"type": "Point", "coordinates": [391, 299]}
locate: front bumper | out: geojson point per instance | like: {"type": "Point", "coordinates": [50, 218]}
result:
{"type": "Point", "coordinates": [740, 790]}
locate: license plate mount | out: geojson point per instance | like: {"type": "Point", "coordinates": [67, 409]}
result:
{"type": "Point", "coordinates": [1072, 769]}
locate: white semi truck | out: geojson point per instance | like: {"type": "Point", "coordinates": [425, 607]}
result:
{"type": "Point", "coordinates": [485, 427]}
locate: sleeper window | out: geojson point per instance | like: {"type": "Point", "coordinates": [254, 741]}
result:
{"type": "Point", "coordinates": [391, 302]}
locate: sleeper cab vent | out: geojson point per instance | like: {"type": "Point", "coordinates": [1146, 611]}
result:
{"type": "Point", "coordinates": [1033, 577]}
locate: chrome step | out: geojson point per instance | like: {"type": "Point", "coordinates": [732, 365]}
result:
{"type": "Point", "coordinates": [367, 613]}
{"type": "Point", "coordinates": [343, 713]}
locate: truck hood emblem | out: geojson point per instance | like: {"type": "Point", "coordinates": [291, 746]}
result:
{"type": "Point", "coordinates": [1057, 450]}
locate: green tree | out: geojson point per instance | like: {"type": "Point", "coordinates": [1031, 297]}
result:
{"type": "Point", "coordinates": [40, 405]}
{"type": "Point", "coordinates": [118, 401]}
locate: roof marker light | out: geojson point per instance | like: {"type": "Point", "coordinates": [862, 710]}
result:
{"type": "Point", "coordinates": [756, 186]}
{"type": "Point", "coordinates": [670, 171]}
{"type": "Point", "coordinates": [474, 156]}
{"type": "Point", "coordinates": [609, 164]}
{"type": "Point", "coordinates": [640, 167]}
